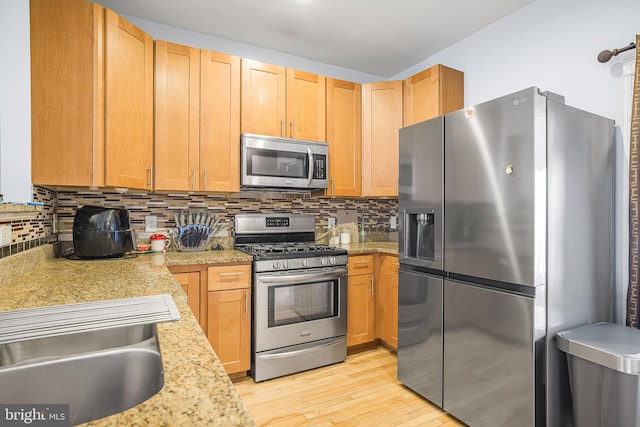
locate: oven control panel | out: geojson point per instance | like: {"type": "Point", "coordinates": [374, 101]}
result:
{"type": "Point", "coordinates": [277, 221]}
{"type": "Point", "coordinates": [300, 263]}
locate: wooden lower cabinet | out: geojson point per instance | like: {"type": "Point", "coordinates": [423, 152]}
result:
{"type": "Point", "coordinates": [190, 283]}
{"type": "Point", "coordinates": [361, 300]}
{"type": "Point", "coordinates": [229, 328]}
{"type": "Point", "coordinates": [190, 278]}
{"type": "Point", "coordinates": [387, 299]}
{"type": "Point", "coordinates": [360, 310]}
{"type": "Point", "coordinates": [219, 296]}
{"type": "Point", "coordinates": [372, 300]}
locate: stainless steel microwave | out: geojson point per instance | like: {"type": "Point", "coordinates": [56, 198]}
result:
{"type": "Point", "coordinates": [271, 162]}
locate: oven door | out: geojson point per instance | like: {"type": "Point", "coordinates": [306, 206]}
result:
{"type": "Point", "coordinates": [282, 163]}
{"type": "Point", "coordinates": [299, 306]}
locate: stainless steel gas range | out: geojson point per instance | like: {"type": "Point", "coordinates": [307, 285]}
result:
{"type": "Point", "coordinates": [299, 294]}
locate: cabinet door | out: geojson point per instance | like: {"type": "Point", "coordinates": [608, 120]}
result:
{"type": "Point", "coordinates": [177, 110]}
{"type": "Point", "coordinates": [387, 300]}
{"type": "Point", "coordinates": [263, 98]}
{"type": "Point", "coordinates": [305, 106]}
{"type": "Point", "coordinates": [381, 121]}
{"type": "Point", "coordinates": [67, 93]}
{"type": "Point", "coordinates": [229, 328]}
{"type": "Point", "coordinates": [435, 91]}
{"type": "Point", "coordinates": [344, 136]}
{"type": "Point", "coordinates": [219, 122]}
{"type": "Point", "coordinates": [360, 310]}
{"type": "Point", "coordinates": [190, 283]}
{"type": "Point", "coordinates": [129, 104]}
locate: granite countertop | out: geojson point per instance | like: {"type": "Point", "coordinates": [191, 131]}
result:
{"type": "Point", "coordinates": [206, 257]}
{"type": "Point", "coordinates": [197, 390]}
{"type": "Point", "coordinates": [19, 207]}
{"type": "Point", "coordinates": [372, 247]}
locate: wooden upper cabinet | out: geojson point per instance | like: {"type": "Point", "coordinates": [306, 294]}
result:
{"type": "Point", "coordinates": [129, 104]}
{"type": "Point", "coordinates": [219, 122]}
{"type": "Point", "coordinates": [381, 121]}
{"type": "Point", "coordinates": [282, 102]}
{"type": "Point", "coordinates": [433, 92]}
{"type": "Point", "coordinates": [197, 138]}
{"type": "Point", "coordinates": [263, 98]}
{"type": "Point", "coordinates": [67, 93]}
{"type": "Point", "coordinates": [305, 106]}
{"type": "Point", "coordinates": [177, 116]}
{"type": "Point", "coordinates": [344, 136]}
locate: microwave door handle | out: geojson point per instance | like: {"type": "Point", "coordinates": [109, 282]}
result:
{"type": "Point", "coordinates": [310, 155]}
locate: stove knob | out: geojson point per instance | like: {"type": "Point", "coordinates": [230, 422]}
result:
{"type": "Point", "coordinates": [323, 261]}
{"type": "Point", "coordinates": [276, 265]}
{"type": "Point", "coordinates": [285, 264]}
{"type": "Point", "coordinates": [332, 260]}
{"type": "Point", "coordinates": [305, 262]}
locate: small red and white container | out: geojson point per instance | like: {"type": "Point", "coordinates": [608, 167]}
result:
{"type": "Point", "coordinates": [159, 243]}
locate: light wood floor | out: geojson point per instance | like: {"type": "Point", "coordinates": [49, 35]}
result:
{"type": "Point", "coordinates": [362, 391]}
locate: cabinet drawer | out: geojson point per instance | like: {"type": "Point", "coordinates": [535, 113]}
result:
{"type": "Point", "coordinates": [361, 264]}
{"type": "Point", "coordinates": [389, 264]}
{"type": "Point", "coordinates": [229, 277]}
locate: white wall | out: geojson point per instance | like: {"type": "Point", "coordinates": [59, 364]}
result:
{"type": "Point", "coordinates": [15, 101]}
{"type": "Point", "coordinates": [554, 44]}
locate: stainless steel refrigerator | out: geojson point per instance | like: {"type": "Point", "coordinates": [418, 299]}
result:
{"type": "Point", "coordinates": [506, 237]}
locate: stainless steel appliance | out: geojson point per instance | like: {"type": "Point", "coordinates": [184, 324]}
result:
{"type": "Point", "coordinates": [506, 238]}
{"type": "Point", "coordinates": [100, 232]}
{"type": "Point", "coordinates": [282, 163]}
{"type": "Point", "coordinates": [299, 294]}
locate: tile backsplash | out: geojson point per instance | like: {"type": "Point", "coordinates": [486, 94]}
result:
{"type": "Point", "coordinates": [54, 221]}
{"type": "Point", "coordinates": [163, 206]}
{"type": "Point", "coordinates": [29, 228]}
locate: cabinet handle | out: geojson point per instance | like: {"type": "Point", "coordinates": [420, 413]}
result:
{"type": "Point", "coordinates": [193, 178]}
{"type": "Point", "coordinates": [206, 177]}
{"type": "Point", "coordinates": [150, 177]}
{"type": "Point", "coordinates": [246, 303]}
{"type": "Point", "coordinates": [361, 262]}
{"type": "Point", "coordinates": [333, 187]}
{"type": "Point", "coordinates": [372, 289]}
{"type": "Point", "coordinates": [292, 124]}
{"type": "Point", "coordinates": [235, 273]}
{"type": "Point", "coordinates": [282, 127]}
{"type": "Point", "coordinates": [395, 264]}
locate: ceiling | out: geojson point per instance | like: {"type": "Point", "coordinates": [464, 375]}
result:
{"type": "Point", "coordinates": [377, 37]}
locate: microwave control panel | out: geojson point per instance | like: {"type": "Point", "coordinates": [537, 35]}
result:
{"type": "Point", "coordinates": [319, 166]}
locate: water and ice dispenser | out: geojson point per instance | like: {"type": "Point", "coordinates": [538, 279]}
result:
{"type": "Point", "coordinates": [419, 238]}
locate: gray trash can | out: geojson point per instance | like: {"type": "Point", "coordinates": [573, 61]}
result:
{"type": "Point", "coordinates": [604, 370]}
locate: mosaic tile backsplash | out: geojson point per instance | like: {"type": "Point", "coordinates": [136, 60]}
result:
{"type": "Point", "coordinates": [31, 229]}
{"type": "Point", "coordinates": [54, 222]}
{"type": "Point", "coordinates": [163, 206]}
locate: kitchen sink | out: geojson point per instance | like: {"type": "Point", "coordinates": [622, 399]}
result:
{"type": "Point", "coordinates": [97, 373]}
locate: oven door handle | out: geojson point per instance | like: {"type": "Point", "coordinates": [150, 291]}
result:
{"type": "Point", "coordinates": [299, 352]}
{"type": "Point", "coordinates": [288, 278]}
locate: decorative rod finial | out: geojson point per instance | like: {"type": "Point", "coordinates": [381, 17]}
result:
{"type": "Point", "coordinates": [606, 55]}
